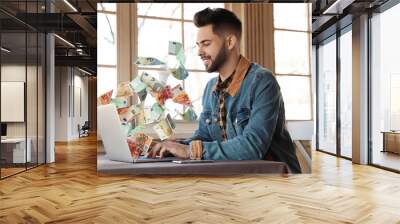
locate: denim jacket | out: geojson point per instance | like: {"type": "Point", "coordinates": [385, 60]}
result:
{"type": "Point", "coordinates": [255, 120]}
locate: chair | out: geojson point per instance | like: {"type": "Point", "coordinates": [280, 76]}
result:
{"type": "Point", "coordinates": [84, 130]}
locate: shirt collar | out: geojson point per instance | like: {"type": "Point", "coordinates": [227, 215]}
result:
{"type": "Point", "coordinates": [240, 72]}
{"type": "Point", "coordinates": [223, 85]}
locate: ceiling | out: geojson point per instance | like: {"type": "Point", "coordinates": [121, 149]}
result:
{"type": "Point", "coordinates": [75, 21]}
{"type": "Point", "coordinates": [76, 25]}
{"type": "Point", "coordinates": [331, 15]}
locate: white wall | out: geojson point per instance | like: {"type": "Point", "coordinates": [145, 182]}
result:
{"type": "Point", "coordinates": [61, 103]}
{"type": "Point", "coordinates": [301, 130]}
{"type": "Point", "coordinates": [12, 73]}
{"type": "Point", "coordinates": [79, 118]}
{"type": "Point", "coordinates": [68, 82]}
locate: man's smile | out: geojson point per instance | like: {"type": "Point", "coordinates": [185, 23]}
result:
{"type": "Point", "coordinates": [206, 60]}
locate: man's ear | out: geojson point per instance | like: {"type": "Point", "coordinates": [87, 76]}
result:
{"type": "Point", "coordinates": [231, 41]}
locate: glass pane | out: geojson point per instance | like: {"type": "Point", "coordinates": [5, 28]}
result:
{"type": "Point", "coordinates": [41, 99]}
{"type": "Point", "coordinates": [385, 85]}
{"type": "Point", "coordinates": [13, 86]}
{"type": "Point", "coordinates": [298, 19]}
{"type": "Point", "coordinates": [106, 39]}
{"type": "Point", "coordinates": [346, 94]}
{"type": "Point", "coordinates": [31, 101]}
{"type": "Point", "coordinates": [165, 10]}
{"type": "Point", "coordinates": [191, 8]}
{"type": "Point", "coordinates": [106, 80]}
{"type": "Point", "coordinates": [193, 61]}
{"type": "Point", "coordinates": [170, 106]}
{"type": "Point", "coordinates": [297, 96]}
{"type": "Point", "coordinates": [111, 7]}
{"type": "Point", "coordinates": [151, 43]}
{"type": "Point", "coordinates": [292, 53]}
{"type": "Point", "coordinates": [327, 96]}
{"type": "Point", "coordinates": [195, 84]}
{"type": "Point", "coordinates": [394, 101]}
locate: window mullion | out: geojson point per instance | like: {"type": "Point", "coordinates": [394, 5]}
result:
{"type": "Point", "coordinates": [163, 18]}
{"type": "Point", "coordinates": [106, 66]}
{"type": "Point", "coordinates": [106, 12]}
{"type": "Point", "coordinates": [281, 74]}
{"type": "Point", "coordinates": [291, 30]}
{"type": "Point", "coordinates": [183, 43]}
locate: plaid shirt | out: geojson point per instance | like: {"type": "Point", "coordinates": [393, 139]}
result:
{"type": "Point", "coordinates": [221, 89]}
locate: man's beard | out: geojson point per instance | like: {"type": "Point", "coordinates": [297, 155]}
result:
{"type": "Point", "coordinates": [220, 59]}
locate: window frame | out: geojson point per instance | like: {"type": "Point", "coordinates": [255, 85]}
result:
{"type": "Point", "coordinates": [182, 22]}
{"type": "Point", "coordinates": [370, 29]}
{"type": "Point", "coordinates": [309, 76]}
{"type": "Point", "coordinates": [116, 61]}
{"type": "Point", "coordinates": [334, 37]}
{"type": "Point", "coordinates": [113, 66]}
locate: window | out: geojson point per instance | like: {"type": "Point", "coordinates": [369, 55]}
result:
{"type": "Point", "coordinates": [327, 95]}
{"type": "Point", "coordinates": [385, 88]}
{"type": "Point", "coordinates": [22, 88]}
{"type": "Point", "coordinates": [292, 58]}
{"type": "Point", "coordinates": [174, 22]}
{"type": "Point", "coordinates": [334, 83]}
{"type": "Point", "coordinates": [107, 53]}
{"type": "Point", "coordinates": [394, 101]}
{"type": "Point", "coordinates": [346, 93]}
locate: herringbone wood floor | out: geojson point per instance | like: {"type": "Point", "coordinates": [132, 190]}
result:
{"type": "Point", "coordinates": [70, 191]}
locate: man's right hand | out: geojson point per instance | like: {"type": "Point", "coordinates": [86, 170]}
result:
{"type": "Point", "coordinates": [162, 149]}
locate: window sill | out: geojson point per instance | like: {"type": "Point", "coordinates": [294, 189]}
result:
{"type": "Point", "coordinates": [183, 129]}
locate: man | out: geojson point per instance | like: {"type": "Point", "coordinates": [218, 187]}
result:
{"type": "Point", "coordinates": [243, 114]}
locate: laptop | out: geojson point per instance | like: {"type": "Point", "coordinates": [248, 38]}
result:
{"type": "Point", "coordinates": [114, 139]}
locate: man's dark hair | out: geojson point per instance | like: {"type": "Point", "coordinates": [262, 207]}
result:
{"type": "Point", "coordinates": [222, 20]}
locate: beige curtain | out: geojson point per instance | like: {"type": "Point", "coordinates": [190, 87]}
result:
{"type": "Point", "coordinates": [258, 34]}
{"type": "Point", "coordinates": [126, 42]}
{"type": "Point", "coordinates": [92, 101]}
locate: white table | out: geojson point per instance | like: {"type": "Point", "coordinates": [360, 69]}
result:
{"type": "Point", "coordinates": [18, 149]}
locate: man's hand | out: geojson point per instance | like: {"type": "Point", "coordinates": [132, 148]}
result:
{"type": "Point", "coordinates": [162, 148]}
